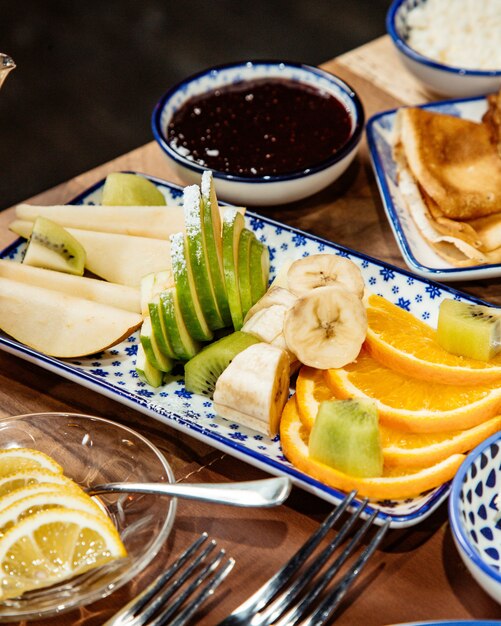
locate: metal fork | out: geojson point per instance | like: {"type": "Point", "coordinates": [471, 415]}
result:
{"type": "Point", "coordinates": [293, 597]}
{"type": "Point", "coordinates": [156, 606]}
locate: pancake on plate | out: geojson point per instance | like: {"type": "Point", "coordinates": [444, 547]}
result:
{"type": "Point", "coordinates": [449, 176]}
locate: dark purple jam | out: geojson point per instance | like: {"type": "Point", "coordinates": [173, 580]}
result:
{"type": "Point", "coordinates": [261, 128]}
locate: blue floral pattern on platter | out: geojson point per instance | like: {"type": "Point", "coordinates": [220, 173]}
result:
{"type": "Point", "coordinates": [417, 253]}
{"type": "Point", "coordinates": [112, 373]}
{"type": "Point", "coordinates": [475, 510]}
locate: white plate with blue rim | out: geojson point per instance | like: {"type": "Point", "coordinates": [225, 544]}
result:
{"type": "Point", "coordinates": [112, 372]}
{"type": "Point", "coordinates": [417, 253]}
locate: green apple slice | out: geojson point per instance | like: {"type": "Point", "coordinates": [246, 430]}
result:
{"type": "Point", "coordinates": [212, 232]}
{"type": "Point", "coordinates": [51, 246]}
{"type": "Point", "coordinates": [152, 285]}
{"type": "Point", "coordinates": [199, 261]}
{"type": "Point", "coordinates": [121, 188]}
{"type": "Point", "coordinates": [158, 327]}
{"type": "Point", "coordinates": [244, 276]}
{"type": "Point", "coordinates": [259, 269]}
{"type": "Point", "coordinates": [153, 353]}
{"type": "Point", "coordinates": [183, 345]}
{"type": "Point", "coordinates": [233, 225]}
{"type": "Point", "coordinates": [186, 290]}
{"type": "Point", "coordinates": [145, 370]}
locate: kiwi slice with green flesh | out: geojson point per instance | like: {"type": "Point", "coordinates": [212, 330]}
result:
{"type": "Point", "coordinates": [202, 371]}
{"type": "Point", "coordinates": [346, 436]}
{"type": "Point", "coordinates": [52, 247]}
{"type": "Point", "coordinates": [469, 330]}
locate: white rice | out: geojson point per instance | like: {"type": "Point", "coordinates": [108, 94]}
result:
{"type": "Point", "coordinates": [461, 33]}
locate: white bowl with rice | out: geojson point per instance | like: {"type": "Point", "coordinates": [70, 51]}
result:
{"type": "Point", "coordinates": [452, 46]}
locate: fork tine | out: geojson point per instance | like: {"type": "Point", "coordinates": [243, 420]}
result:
{"type": "Point", "coordinates": [164, 616]}
{"type": "Point", "coordinates": [124, 616]}
{"type": "Point", "coordinates": [284, 601]}
{"type": "Point", "coordinates": [333, 599]}
{"type": "Point", "coordinates": [205, 592]}
{"type": "Point", "coordinates": [262, 596]}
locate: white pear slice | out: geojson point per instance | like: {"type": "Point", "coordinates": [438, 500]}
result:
{"type": "Point", "coordinates": [120, 296]}
{"type": "Point", "coordinates": [158, 222]}
{"type": "Point", "coordinates": [60, 325]}
{"type": "Point", "coordinates": [122, 259]}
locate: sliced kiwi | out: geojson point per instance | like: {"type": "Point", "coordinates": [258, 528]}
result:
{"type": "Point", "coordinates": [52, 247]}
{"type": "Point", "coordinates": [346, 436]}
{"type": "Point", "coordinates": [469, 330]}
{"type": "Point", "coordinates": [202, 371]}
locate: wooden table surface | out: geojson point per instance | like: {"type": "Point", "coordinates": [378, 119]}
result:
{"type": "Point", "coordinates": [417, 574]}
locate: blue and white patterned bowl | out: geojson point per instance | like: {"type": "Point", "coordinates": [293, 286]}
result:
{"type": "Point", "coordinates": [475, 514]}
{"type": "Point", "coordinates": [267, 190]}
{"type": "Point", "coordinates": [442, 79]}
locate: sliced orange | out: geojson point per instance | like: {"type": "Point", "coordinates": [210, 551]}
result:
{"type": "Point", "coordinates": [395, 484]}
{"type": "Point", "coordinates": [414, 405]}
{"type": "Point", "coordinates": [311, 390]}
{"type": "Point", "coordinates": [402, 342]}
{"type": "Point", "coordinates": [402, 449]}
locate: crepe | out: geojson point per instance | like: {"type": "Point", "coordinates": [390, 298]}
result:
{"type": "Point", "coordinates": [492, 120]}
{"type": "Point", "coordinates": [449, 177]}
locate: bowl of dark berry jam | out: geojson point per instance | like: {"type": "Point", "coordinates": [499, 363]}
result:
{"type": "Point", "coordinates": [271, 132]}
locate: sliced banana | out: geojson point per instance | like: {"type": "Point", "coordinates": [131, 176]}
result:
{"type": "Point", "coordinates": [254, 388]}
{"type": "Point", "coordinates": [326, 327]}
{"type": "Point", "coordinates": [323, 270]}
{"type": "Point", "coordinates": [274, 295]}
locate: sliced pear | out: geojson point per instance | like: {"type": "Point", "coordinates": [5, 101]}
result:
{"type": "Point", "coordinates": [120, 259]}
{"type": "Point", "coordinates": [158, 222]}
{"type": "Point", "coordinates": [120, 296]}
{"type": "Point", "coordinates": [60, 325]}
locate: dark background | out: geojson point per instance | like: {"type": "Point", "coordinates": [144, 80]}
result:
{"type": "Point", "coordinates": [89, 73]}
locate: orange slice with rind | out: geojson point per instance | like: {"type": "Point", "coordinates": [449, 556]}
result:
{"type": "Point", "coordinates": [414, 405]}
{"type": "Point", "coordinates": [399, 340]}
{"type": "Point", "coordinates": [395, 484]}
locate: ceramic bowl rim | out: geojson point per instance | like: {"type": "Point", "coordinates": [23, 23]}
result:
{"type": "Point", "coordinates": [454, 513]}
{"type": "Point", "coordinates": [136, 567]}
{"type": "Point", "coordinates": [356, 135]}
{"type": "Point", "coordinates": [403, 47]}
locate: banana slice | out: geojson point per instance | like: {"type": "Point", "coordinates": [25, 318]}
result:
{"type": "Point", "coordinates": [323, 270]}
{"type": "Point", "coordinates": [254, 388]}
{"type": "Point", "coordinates": [274, 295]}
{"type": "Point", "coordinates": [326, 327]}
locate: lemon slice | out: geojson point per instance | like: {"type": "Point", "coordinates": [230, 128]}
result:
{"type": "Point", "coordinates": [26, 477]}
{"type": "Point", "coordinates": [53, 545]}
{"type": "Point", "coordinates": [16, 459]}
{"type": "Point", "coordinates": [45, 500]}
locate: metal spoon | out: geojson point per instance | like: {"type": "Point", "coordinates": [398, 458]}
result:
{"type": "Point", "coordinates": [256, 493]}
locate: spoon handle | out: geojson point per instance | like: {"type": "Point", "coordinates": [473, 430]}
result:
{"type": "Point", "coordinates": [256, 493]}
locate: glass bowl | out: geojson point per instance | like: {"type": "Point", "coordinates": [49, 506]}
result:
{"type": "Point", "coordinates": [94, 450]}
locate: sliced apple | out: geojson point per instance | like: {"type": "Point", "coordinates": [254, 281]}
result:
{"type": "Point", "coordinates": [212, 232]}
{"type": "Point", "coordinates": [159, 329]}
{"type": "Point", "coordinates": [151, 349]}
{"type": "Point", "coordinates": [197, 251]}
{"type": "Point", "coordinates": [61, 325]}
{"type": "Point", "coordinates": [153, 284]}
{"type": "Point", "coordinates": [233, 225]}
{"type": "Point", "coordinates": [259, 269]}
{"type": "Point", "coordinates": [182, 343]}
{"type": "Point", "coordinates": [120, 259]}
{"type": "Point", "coordinates": [186, 290]}
{"type": "Point", "coordinates": [145, 370]}
{"type": "Point", "coordinates": [157, 222]}
{"type": "Point", "coordinates": [120, 296]}
{"type": "Point", "coordinates": [244, 275]}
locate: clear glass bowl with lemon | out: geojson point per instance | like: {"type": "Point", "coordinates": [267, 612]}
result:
{"type": "Point", "coordinates": [60, 548]}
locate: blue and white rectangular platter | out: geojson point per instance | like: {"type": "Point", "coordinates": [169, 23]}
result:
{"type": "Point", "coordinates": [112, 373]}
{"type": "Point", "coordinates": [417, 253]}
